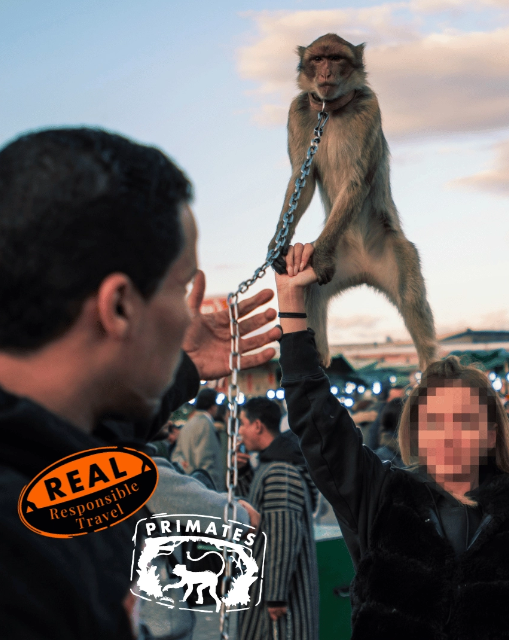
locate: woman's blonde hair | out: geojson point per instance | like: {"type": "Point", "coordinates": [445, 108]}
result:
{"type": "Point", "coordinates": [443, 374]}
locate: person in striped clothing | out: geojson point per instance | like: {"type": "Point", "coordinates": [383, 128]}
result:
{"type": "Point", "coordinates": [284, 494]}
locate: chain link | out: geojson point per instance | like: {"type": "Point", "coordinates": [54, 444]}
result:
{"type": "Point", "coordinates": [230, 510]}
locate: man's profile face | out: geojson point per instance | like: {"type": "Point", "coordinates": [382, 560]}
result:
{"type": "Point", "coordinates": [154, 354]}
{"type": "Point", "coordinates": [453, 432]}
{"type": "Point", "coordinates": [248, 432]}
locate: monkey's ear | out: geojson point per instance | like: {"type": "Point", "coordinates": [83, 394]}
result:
{"type": "Point", "coordinates": [359, 50]}
{"type": "Point", "coordinates": [300, 51]}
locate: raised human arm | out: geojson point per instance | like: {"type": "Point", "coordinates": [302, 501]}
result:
{"type": "Point", "coordinates": [348, 474]}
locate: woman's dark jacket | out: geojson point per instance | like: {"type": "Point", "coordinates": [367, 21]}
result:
{"type": "Point", "coordinates": [426, 567]}
{"type": "Point", "coordinates": [54, 588]}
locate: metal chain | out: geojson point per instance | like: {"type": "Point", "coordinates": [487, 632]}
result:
{"type": "Point", "coordinates": [230, 510]}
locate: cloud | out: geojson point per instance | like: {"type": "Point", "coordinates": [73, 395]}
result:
{"type": "Point", "coordinates": [448, 81]}
{"type": "Point", "coordinates": [438, 6]}
{"type": "Point", "coordinates": [494, 180]}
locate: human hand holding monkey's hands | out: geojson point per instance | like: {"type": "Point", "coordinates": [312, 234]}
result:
{"type": "Point", "coordinates": [207, 339]}
{"type": "Point", "coordinates": [291, 285]}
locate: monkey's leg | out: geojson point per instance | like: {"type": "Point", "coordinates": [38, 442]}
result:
{"type": "Point", "coordinates": [188, 592]}
{"type": "Point", "coordinates": [199, 591]}
{"type": "Point", "coordinates": [175, 586]}
{"type": "Point", "coordinates": [398, 275]}
{"type": "Point", "coordinates": [212, 591]}
{"type": "Point", "coordinates": [349, 272]}
{"type": "Point", "coordinates": [305, 198]}
{"type": "Point", "coordinates": [345, 209]}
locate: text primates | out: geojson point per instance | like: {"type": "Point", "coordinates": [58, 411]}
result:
{"type": "Point", "coordinates": [169, 546]}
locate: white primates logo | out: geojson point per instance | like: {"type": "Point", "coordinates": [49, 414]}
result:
{"type": "Point", "coordinates": [202, 580]}
{"type": "Point", "coordinates": [162, 546]}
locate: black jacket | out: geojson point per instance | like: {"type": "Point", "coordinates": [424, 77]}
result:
{"type": "Point", "coordinates": [61, 589]}
{"type": "Point", "coordinates": [419, 572]}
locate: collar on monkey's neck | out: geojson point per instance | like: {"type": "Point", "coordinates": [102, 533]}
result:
{"type": "Point", "coordinates": [330, 105]}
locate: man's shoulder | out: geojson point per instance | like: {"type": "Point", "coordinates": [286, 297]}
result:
{"type": "Point", "coordinates": [199, 420]}
{"type": "Point", "coordinates": [279, 470]}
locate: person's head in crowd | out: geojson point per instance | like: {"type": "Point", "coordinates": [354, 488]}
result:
{"type": "Point", "coordinates": [97, 247]}
{"type": "Point", "coordinates": [221, 413]}
{"type": "Point", "coordinates": [168, 431]}
{"type": "Point", "coordinates": [206, 401]}
{"type": "Point", "coordinates": [397, 391]}
{"type": "Point", "coordinates": [260, 420]}
{"type": "Point", "coordinates": [362, 405]}
{"type": "Point", "coordinates": [453, 422]}
{"type": "Point", "coordinates": [389, 418]}
{"type": "Point", "coordinates": [173, 432]}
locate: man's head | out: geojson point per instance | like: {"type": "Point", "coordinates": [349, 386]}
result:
{"type": "Point", "coordinates": [453, 421]}
{"type": "Point", "coordinates": [260, 419]}
{"type": "Point", "coordinates": [398, 391]}
{"type": "Point", "coordinates": [97, 247]}
{"type": "Point", "coordinates": [206, 401]}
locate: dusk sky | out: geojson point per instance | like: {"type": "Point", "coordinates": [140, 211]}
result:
{"type": "Point", "coordinates": [210, 84]}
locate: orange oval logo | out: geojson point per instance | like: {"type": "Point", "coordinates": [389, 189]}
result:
{"type": "Point", "coordinates": [88, 491]}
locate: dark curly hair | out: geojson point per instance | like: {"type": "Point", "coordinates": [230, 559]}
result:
{"type": "Point", "coordinates": [75, 206]}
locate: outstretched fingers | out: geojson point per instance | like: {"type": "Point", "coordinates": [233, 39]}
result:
{"type": "Point", "coordinates": [252, 303]}
{"type": "Point", "coordinates": [260, 340]}
{"type": "Point", "coordinates": [256, 359]}
{"type": "Point", "coordinates": [257, 321]}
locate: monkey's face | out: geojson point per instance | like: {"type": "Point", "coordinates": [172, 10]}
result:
{"type": "Point", "coordinates": [330, 67]}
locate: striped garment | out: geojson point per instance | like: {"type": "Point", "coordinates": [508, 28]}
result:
{"type": "Point", "coordinates": [284, 495]}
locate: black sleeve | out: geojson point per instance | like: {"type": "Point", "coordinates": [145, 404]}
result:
{"type": "Point", "coordinates": [374, 432]}
{"type": "Point", "coordinates": [348, 474]}
{"type": "Point", "coordinates": [185, 387]}
{"type": "Point", "coordinates": [116, 429]}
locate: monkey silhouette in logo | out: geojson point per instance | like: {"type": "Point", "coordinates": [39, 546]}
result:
{"type": "Point", "coordinates": [362, 241]}
{"type": "Point", "coordinates": [202, 580]}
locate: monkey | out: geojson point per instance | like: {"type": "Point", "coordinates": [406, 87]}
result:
{"type": "Point", "coordinates": [362, 241]}
{"type": "Point", "coordinates": [202, 579]}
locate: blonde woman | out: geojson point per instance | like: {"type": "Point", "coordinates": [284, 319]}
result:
{"type": "Point", "coordinates": [430, 544]}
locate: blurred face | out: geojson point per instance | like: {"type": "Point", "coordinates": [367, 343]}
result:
{"type": "Point", "coordinates": [173, 435]}
{"type": "Point", "coordinates": [453, 432]}
{"type": "Point", "coordinates": [249, 432]}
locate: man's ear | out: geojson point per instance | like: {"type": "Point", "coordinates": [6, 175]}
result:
{"type": "Point", "coordinates": [259, 426]}
{"type": "Point", "coordinates": [117, 305]}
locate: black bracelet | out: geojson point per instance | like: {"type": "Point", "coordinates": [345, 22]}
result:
{"type": "Point", "coordinates": [288, 314]}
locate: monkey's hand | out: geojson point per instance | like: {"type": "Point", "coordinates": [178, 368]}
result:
{"type": "Point", "coordinates": [279, 264]}
{"type": "Point", "coordinates": [324, 264]}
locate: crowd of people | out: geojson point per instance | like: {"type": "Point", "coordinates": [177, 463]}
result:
{"type": "Point", "coordinates": [100, 341]}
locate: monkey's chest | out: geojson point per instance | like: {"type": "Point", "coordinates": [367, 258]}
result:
{"type": "Point", "coordinates": [332, 165]}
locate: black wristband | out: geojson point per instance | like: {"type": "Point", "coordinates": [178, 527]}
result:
{"type": "Point", "coordinates": [289, 314]}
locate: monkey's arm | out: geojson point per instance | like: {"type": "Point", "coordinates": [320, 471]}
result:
{"type": "Point", "coordinates": [346, 207]}
{"type": "Point", "coordinates": [303, 203]}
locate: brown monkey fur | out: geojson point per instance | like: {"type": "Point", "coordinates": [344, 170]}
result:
{"type": "Point", "coordinates": [362, 241]}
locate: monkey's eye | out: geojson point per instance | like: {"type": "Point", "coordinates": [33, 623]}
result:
{"type": "Point", "coordinates": [336, 58]}
{"type": "Point", "coordinates": [317, 58]}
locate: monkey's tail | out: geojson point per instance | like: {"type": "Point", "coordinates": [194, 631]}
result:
{"type": "Point", "coordinates": [206, 554]}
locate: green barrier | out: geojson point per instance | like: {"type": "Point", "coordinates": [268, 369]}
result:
{"type": "Point", "coordinates": [335, 572]}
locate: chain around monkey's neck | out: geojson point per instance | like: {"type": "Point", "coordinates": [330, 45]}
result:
{"type": "Point", "coordinates": [330, 105]}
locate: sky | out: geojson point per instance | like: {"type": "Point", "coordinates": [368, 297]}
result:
{"type": "Point", "coordinates": [210, 84]}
